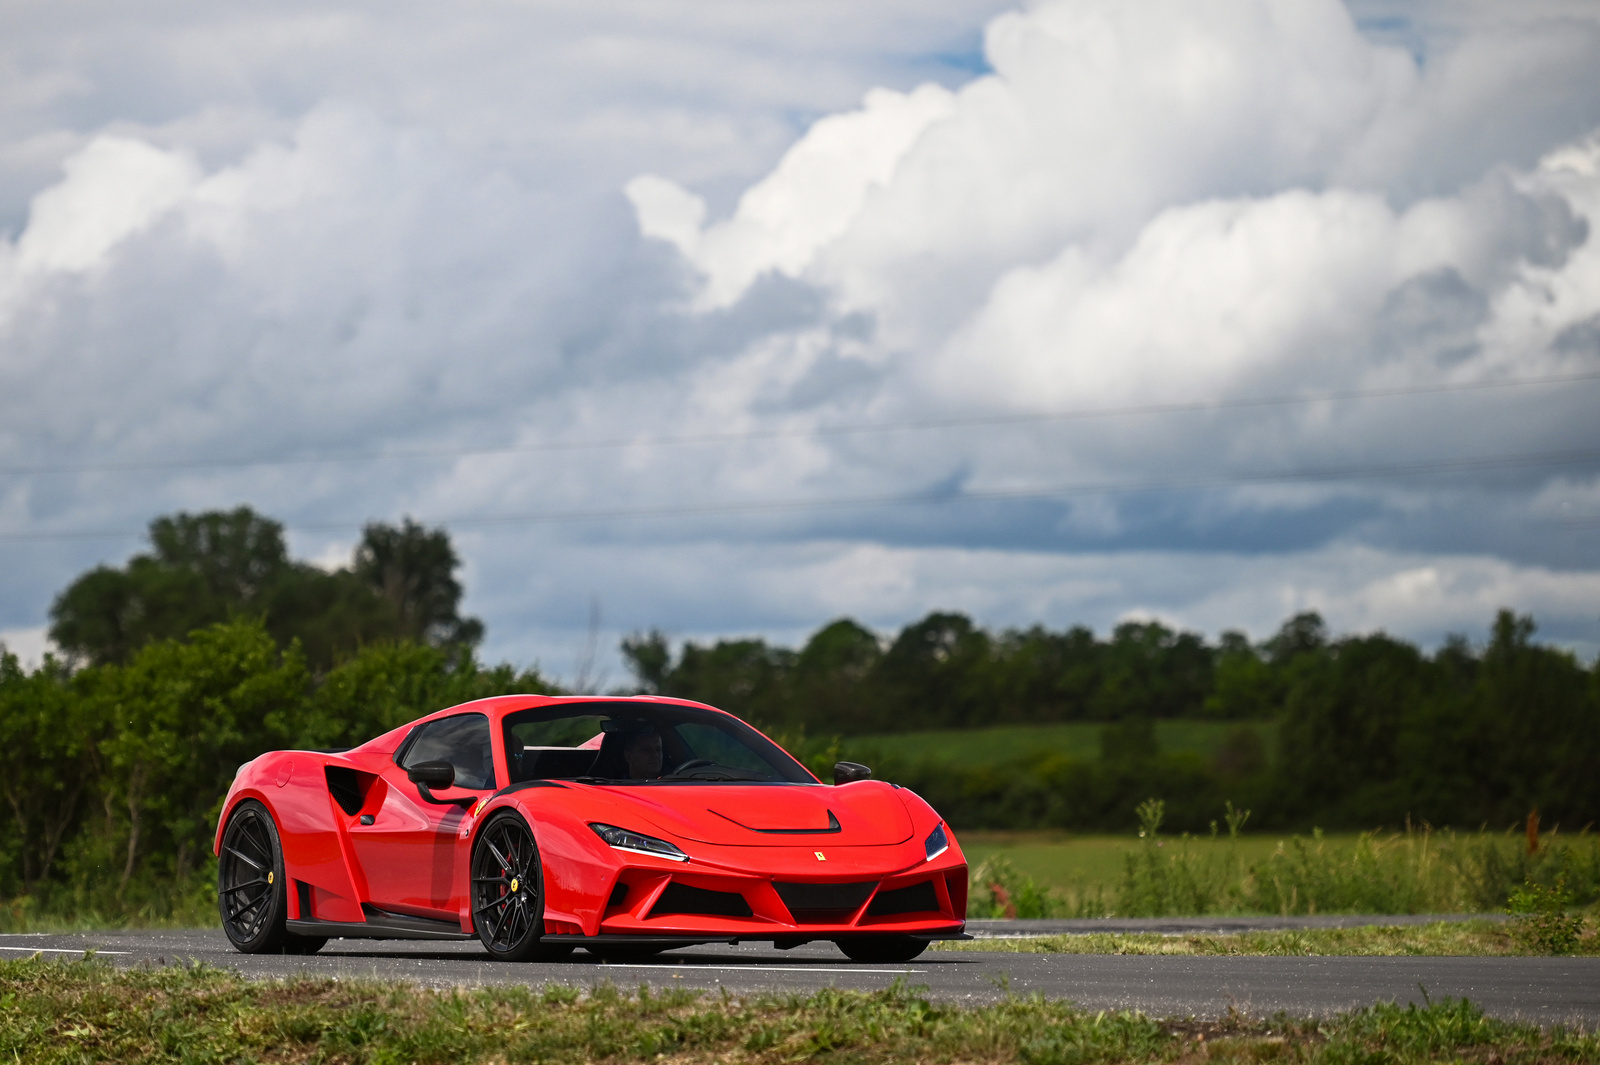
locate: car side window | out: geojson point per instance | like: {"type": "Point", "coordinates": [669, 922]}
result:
{"type": "Point", "coordinates": [463, 741]}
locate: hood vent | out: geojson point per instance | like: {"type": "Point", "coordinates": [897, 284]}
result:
{"type": "Point", "coordinates": [833, 826]}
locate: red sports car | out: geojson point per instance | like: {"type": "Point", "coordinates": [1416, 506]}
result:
{"type": "Point", "coordinates": [620, 825]}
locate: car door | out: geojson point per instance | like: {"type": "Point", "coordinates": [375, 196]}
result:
{"type": "Point", "coordinates": [409, 852]}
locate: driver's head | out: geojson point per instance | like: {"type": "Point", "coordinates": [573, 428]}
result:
{"type": "Point", "coordinates": [642, 752]}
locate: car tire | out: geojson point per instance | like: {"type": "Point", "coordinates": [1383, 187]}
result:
{"type": "Point", "coordinates": [508, 892]}
{"type": "Point", "coordinates": [252, 888]}
{"type": "Point", "coordinates": [883, 948]}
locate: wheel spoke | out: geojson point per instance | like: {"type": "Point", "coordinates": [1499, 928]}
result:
{"type": "Point", "coordinates": [243, 857]}
{"type": "Point", "coordinates": [519, 923]}
{"type": "Point", "coordinates": [504, 865]}
{"type": "Point", "coordinates": [239, 914]}
{"type": "Point", "coordinates": [255, 833]}
{"type": "Point", "coordinates": [486, 907]}
{"type": "Point", "coordinates": [246, 884]}
{"type": "Point", "coordinates": [491, 880]}
{"type": "Point", "coordinates": [494, 933]}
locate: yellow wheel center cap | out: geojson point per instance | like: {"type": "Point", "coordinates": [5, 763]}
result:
{"type": "Point", "coordinates": [269, 878]}
{"type": "Point", "coordinates": [514, 883]}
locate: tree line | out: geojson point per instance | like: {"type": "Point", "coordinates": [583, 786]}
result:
{"type": "Point", "coordinates": [214, 646]}
{"type": "Point", "coordinates": [1370, 729]}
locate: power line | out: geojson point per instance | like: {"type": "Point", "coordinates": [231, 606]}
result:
{"type": "Point", "coordinates": [1311, 474]}
{"type": "Point", "coordinates": [837, 430]}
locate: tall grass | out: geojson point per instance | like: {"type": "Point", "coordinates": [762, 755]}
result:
{"type": "Point", "coordinates": [189, 901]}
{"type": "Point", "coordinates": [1417, 870]}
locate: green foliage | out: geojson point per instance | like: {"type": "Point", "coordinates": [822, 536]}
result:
{"type": "Point", "coordinates": [113, 776]}
{"type": "Point", "coordinates": [1540, 918]}
{"type": "Point", "coordinates": [999, 889]}
{"type": "Point", "coordinates": [179, 719]}
{"type": "Point", "coordinates": [1415, 871]}
{"type": "Point", "coordinates": [1370, 730]}
{"type": "Point", "coordinates": [204, 569]}
{"type": "Point", "coordinates": [49, 756]}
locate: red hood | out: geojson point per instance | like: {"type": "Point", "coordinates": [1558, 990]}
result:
{"type": "Point", "coordinates": [775, 815]}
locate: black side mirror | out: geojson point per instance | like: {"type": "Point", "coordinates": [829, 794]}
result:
{"type": "Point", "coordinates": [432, 774]}
{"type": "Point", "coordinates": [850, 772]}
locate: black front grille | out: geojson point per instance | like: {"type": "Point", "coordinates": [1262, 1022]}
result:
{"type": "Point", "coordinates": [918, 898]}
{"type": "Point", "coordinates": [681, 898]}
{"type": "Point", "coordinates": [618, 895]}
{"type": "Point", "coordinates": [823, 903]}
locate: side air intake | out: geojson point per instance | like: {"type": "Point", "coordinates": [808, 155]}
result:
{"type": "Point", "coordinates": [918, 898]}
{"type": "Point", "coordinates": [344, 785]}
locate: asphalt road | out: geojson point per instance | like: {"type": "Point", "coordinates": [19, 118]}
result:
{"type": "Point", "coordinates": [1546, 990]}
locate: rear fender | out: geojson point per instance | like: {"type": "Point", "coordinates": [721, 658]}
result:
{"type": "Point", "coordinates": [324, 881]}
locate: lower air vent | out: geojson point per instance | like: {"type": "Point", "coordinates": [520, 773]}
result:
{"type": "Point", "coordinates": [823, 903]}
{"type": "Point", "coordinates": [918, 898]}
{"type": "Point", "coordinates": [681, 898]}
{"type": "Point", "coordinates": [619, 894]}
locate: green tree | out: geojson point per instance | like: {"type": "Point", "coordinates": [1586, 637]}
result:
{"type": "Point", "coordinates": [413, 570]}
{"type": "Point", "coordinates": [1244, 684]}
{"type": "Point", "coordinates": [935, 675]}
{"type": "Point", "coordinates": [207, 568]}
{"type": "Point", "coordinates": [49, 764]}
{"type": "Point", "coordinates": [832, 681]}
{"type": "Point", "coordinates": [388, 684]}
{"type": "Point", "coordinates": [650, 660]}
{"type": "Point", "coordinates": [183, 717]}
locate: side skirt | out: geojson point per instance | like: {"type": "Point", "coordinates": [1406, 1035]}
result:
{"type": "Point", "coordinates": [380, 924]}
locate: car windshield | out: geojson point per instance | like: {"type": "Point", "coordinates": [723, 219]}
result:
{"type": "Point", "coordinates": [641, 743]}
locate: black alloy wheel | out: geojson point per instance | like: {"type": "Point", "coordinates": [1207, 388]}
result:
{"type": "Point", "coordinates": [252, 892]}
{"type": "Point", "coordinates": [508, 892]}
{"type": "Point", "coordinates": [881, 948]}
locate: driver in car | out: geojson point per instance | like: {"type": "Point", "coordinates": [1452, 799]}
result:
{"type": "Point", "coordinates": [642, 752]}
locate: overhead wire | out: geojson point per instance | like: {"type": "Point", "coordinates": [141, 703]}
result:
{"type": "Point", "coordinates": [796, 432]}
{"type": "Point", "coordinates": [1546, 459]}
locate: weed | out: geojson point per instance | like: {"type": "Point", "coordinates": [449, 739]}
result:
{"type": "Point", "coordinates": [1540, 921]}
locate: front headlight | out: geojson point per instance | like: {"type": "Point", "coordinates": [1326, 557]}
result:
{"type": "Point", "coordinates": [937, 843]}
{"type": "Point", "coordinates": [639, 843]}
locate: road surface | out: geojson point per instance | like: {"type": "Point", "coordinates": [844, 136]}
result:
{"type": "Point", "coordinates": [1545, 990]}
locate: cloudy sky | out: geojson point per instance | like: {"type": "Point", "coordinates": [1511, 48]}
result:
{"type": "Point", "coordinates": [733, 318]}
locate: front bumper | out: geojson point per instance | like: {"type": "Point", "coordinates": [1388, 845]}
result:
{"type": "Point", "coordinates": [698, 903]}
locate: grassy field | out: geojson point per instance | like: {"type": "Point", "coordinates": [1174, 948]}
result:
{"type": "Point", "coordinates": [1081, 740]}
{"type": "Point", "coordinates": [1477, 938]}
{"type": "Point", "coordinates": [1062, 861]}
{"type": "Point", "coordinates": [60, 1012]}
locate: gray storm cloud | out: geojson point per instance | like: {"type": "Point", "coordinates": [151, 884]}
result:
{"type": "Point", "coordinates": [556, 227]}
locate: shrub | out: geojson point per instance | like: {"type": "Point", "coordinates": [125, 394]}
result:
{"type": "Point", "coordinates": [1540, 921]}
